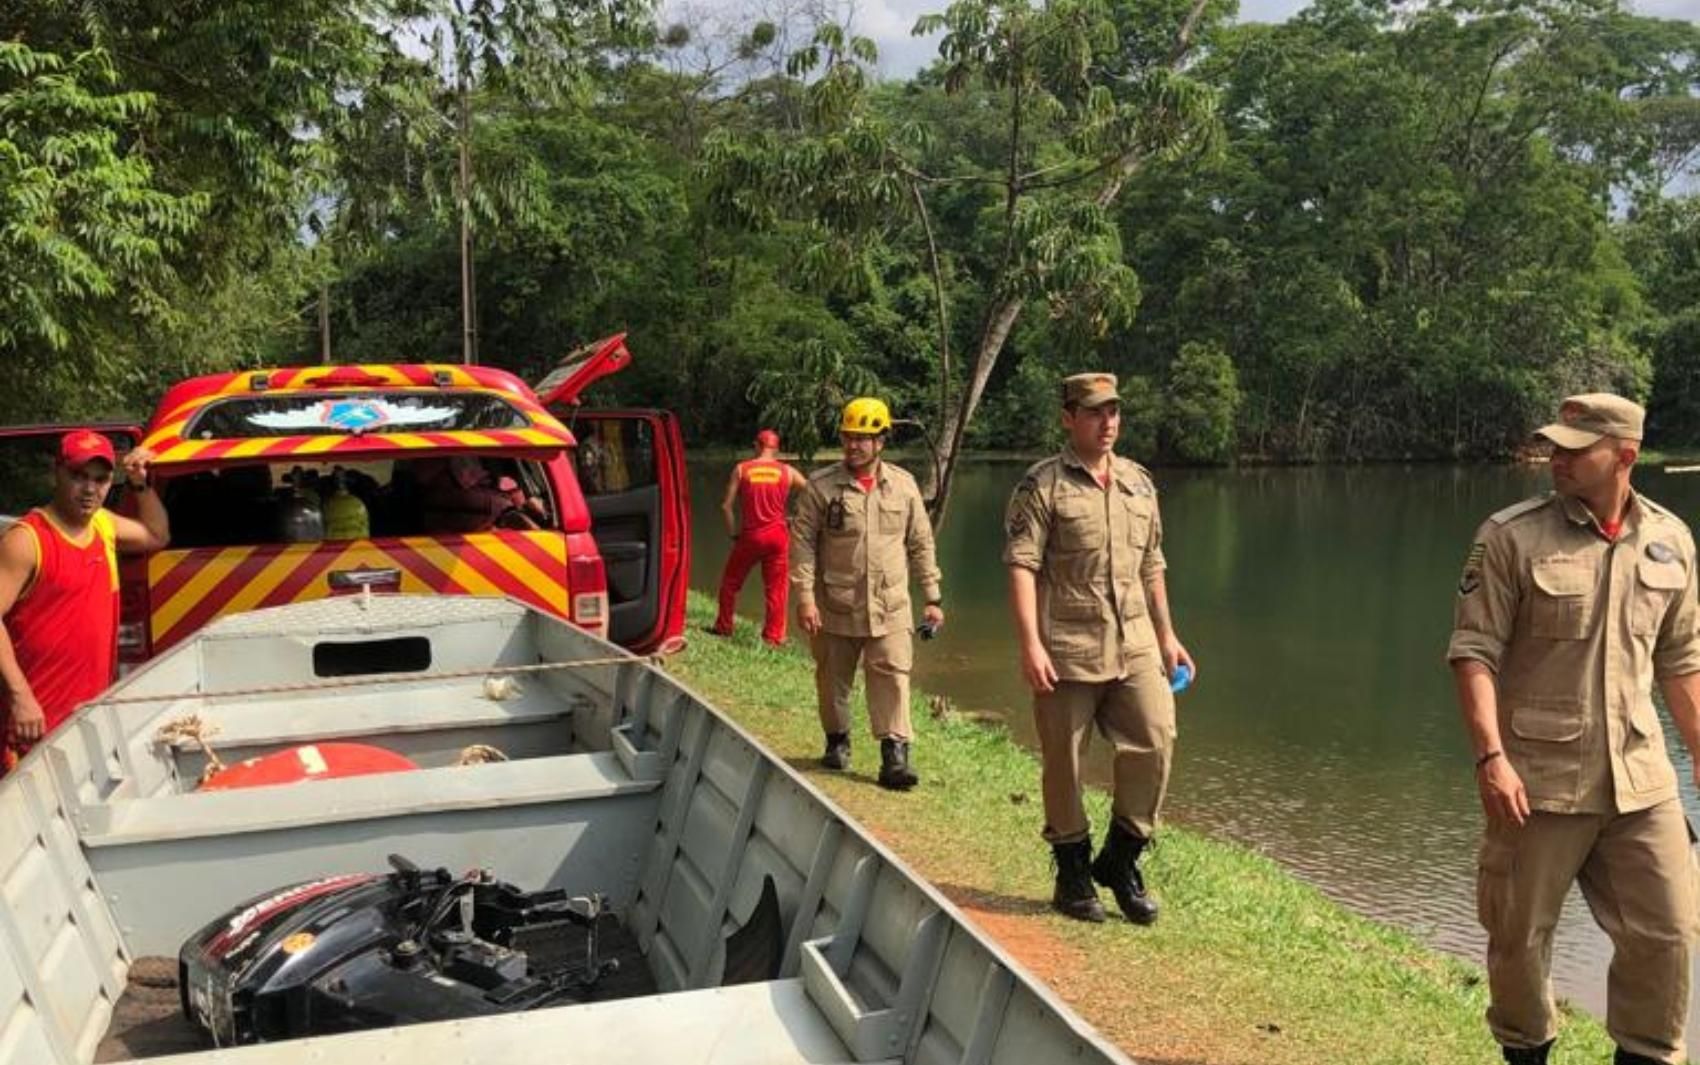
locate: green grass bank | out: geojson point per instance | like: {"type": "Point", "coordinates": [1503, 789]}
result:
{"type": "Point", "coordinates": [1248, 966]}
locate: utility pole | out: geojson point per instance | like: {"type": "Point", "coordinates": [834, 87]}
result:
{"type": "Point", "coordinates": [468, 310]}
{"type": "Point", "coordinates": [325, 322]}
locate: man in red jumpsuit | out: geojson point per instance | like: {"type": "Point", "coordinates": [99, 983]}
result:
{"type": "Point", "coordinates": [754, 507]}
{"type": "Point", "coordinates": [59, 588]}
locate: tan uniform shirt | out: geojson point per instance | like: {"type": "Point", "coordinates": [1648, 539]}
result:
{"type": "Point", "coordinates": [1093, 550]}
{"type": "Point", "coordinates": [852, 552]}
{"type": "Point", "coordinates": [1577, 627]}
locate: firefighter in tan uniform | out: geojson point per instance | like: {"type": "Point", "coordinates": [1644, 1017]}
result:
{"type": "Point", "coordinates": [1085, 558]}
{"type": "Point", "coordinates": [1570, 606]}
{"type": "Point", "coordinates": [861, 531]}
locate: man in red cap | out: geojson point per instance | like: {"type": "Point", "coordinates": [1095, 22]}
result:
{"type": "Point", "coordinates": [757, 492]}
{"type": "Point", "coordinates": [59, 588]}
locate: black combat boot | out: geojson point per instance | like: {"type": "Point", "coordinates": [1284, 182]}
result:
{"type": "Point", "coordinates": [1117, 868]}
{"type": "Point", "coordinates": [1624, 1057]}
{"type": "Point", "coordinates": [894, 766]}
{"type": "Point", "coordinates": [1530, 1055]}
{"type": "Point", "coordinates": [1075, 896]}
{"type": "Point", "coordinates": [837, 754]}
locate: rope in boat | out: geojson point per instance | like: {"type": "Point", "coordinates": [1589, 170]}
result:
{"type": "Point", "coordinates": [480, 754]}
{"type": "Point", "coordinates": [374, 681]}
{"type": "Point", "coordinates": [190, 727]}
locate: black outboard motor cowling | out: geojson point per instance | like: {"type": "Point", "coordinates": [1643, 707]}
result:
{"type": "Point", "coordinates": [368, 950]}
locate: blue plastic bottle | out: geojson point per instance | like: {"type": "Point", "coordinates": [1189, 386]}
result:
{"type": "Point", "coordinates": [1181, 678]}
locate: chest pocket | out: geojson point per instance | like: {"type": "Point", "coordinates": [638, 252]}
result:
{"type": "Point", "coordinates": [1563, 600]}
{"type": "Point", "coordinates": [1136, 518]}
{"type": "Point", "coordinates": [1080, 523]}
{"type": "Point", "coordinates": [894, 517]}
{"type": "Point", "coordinates": [1656, 585]}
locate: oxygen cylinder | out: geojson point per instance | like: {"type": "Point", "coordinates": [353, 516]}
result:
{"type": "Point", "coordinates": [301, 520]}
{"type": "Point", "coordinates": [345, 514]}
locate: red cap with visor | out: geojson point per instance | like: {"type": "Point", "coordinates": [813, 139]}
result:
{"type": "Point", "coordinates": [83, 446]}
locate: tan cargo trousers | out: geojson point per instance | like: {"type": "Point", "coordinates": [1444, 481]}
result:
{"type": "Point", "coordinates": [1137, 715]}
{"type": "Point", "coordinates": [887, 660]}
{"type": "Point", "coordinates": [1638, 874]}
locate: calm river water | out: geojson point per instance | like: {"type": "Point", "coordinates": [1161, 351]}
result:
{"type": "Point", "coordinates": [1322, 731]}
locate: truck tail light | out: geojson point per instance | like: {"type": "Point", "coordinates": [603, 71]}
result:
{"type": "Point", "coordinates": [133, 644]}
{"type": "Point", "coordinates": [587, 588]}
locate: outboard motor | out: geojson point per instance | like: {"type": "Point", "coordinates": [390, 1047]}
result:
{"type": "Point", "coordinates": [369, 951]}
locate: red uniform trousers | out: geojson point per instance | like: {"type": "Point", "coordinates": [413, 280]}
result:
{"type": "Point", "coordinates": [771, 546]}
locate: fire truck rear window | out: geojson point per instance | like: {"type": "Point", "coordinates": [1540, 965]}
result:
{"type": "Point", "coordinates": [288, 502]}
{"type": "Point", "coordinates": [366, 412]}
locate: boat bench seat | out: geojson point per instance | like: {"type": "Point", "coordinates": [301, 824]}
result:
{"type": "Point", "coordinates": [557, 779]}
{"type": "Point", "coordinates": [373, 712]}
{"type": "Point", "coordinates": [772, 1023]}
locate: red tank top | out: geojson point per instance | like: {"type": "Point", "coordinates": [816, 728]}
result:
{"type": "Point", "coordinates": [763, 485]}
{"type": "Point", "coordinates": [64, 627]}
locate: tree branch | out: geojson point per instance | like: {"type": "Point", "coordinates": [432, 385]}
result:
{"type": "Point", "coordinates": [1134, 157]}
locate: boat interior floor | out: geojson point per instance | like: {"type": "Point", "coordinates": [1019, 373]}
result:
{"type": "Point", "coordinates": [149, 1021]}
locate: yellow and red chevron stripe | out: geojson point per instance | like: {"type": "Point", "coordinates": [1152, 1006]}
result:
{"type": "Point", "coordinates": [188, 589]}
{"type": "Point", "coordinates": [166, 440]}
{"type": "Point", "coordinates": [388, 376]}
{"type": "Point", "coordinates": [172, 451]}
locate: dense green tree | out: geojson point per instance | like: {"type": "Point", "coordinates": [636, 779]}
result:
{"type": "Point", "coordinates": [1082, 107]}
{"type": "Point", "coordinates": [1662, 238]}
{"type": "Point", "coordinates": [238, 98]}
{"type": "Point", "coordinates": [1405, 247]}
{"type": "Point", "coordinates": [82, 216]}
{"type": "Point", "coordinates": [1389, 231]}
{"type": "Point", "coordinates": [1201, 402]}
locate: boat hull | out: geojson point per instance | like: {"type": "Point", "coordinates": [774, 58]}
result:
{"type": "Point", "coordinates": [620, 782]}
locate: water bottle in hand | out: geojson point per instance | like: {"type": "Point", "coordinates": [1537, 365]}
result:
{"type": "Point", "coordinates": [1181, 678]}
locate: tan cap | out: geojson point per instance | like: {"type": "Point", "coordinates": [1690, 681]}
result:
{"type": "Point", "coordinates": [1583, 419]}
{"type": "Point", "coordinates": [1090, 389]}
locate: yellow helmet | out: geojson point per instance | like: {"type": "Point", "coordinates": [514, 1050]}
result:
{"type": "Point", "coordinates": [865, 414]}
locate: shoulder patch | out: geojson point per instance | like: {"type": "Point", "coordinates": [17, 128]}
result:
{"type": "Point", "coordinates": [1471, 578]}
{"type": "Point", "coordinates": [1517, 510]}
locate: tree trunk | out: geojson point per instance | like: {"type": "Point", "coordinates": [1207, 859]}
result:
{"type": "Point", "coordinates": [935, 475]}
{"type": "Point", "coordinates": [999, 322]}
